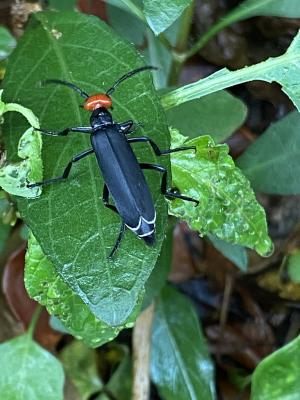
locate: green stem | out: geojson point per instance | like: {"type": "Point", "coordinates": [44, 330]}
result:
{"type": "Point", "coordinates": [181, 44]}
{"type": "Point", "coordinates": [34, 321]}
{"type": "Point", "coordinates": [135, 10]}
{"type": "Point", "coordinates": [237, 14]}
{"type": "Point", "coordinates": [225, 78]}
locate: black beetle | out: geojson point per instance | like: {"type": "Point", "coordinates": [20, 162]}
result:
{"type": "Point", "coordinates": [121, 171]}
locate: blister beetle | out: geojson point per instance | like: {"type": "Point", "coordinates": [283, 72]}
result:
{"type": "Point", "coordinates": [122, 173]}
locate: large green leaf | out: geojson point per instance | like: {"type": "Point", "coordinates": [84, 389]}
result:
{"type": "Point", "coordinates": [277, 377]}
{"type": "Point", "coordinates": [284, 69]}
{"type": "Point", "coordinates": [217, 115]}
{"type": "Point", "coordinates": [29, 372]}
{"type": "Point", "coordinates": [161, 14]}
{"type": "Point", "coordinates": [47, 287]}
{"type": "Point", "coordinates": [271, 163]}
{"type": "Point", "coordinates": [180, 363]}
{"type": "Point", "coordinates": [227, 205]}
{"type": "Point", "coordinates": [69, 220]}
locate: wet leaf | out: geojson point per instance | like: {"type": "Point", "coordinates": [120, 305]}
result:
{"type": "Point", "coordinates": [227, 206]}
{"type": "Point", "coordinates": [180, 363]}
{"type": "Point", "coordinates": [277, 377]}
{"type": "Point", "coordinates": [47, 287]}
{"type": "Point", "coordinates": [30, 371]}
{"type": "Point", "coordinates": [217, 115]}
{"type": "Point", "coordinates": [271, 163]}
{"type": "Point", "coordinates": [14, 176]}
{"type": "Point", "coordinates": [284, 70]}
{"type": "Point", "coordinates": [160, 15]}
{"type": "Point", "coordinates": [80, 365]}
{"type": "Point", "coordinates": [69, 220]}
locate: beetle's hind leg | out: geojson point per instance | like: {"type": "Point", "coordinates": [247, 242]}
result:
{"type": "Point", "coordinates": [66, 171]}
{"type": "Point", "coordinates": [169, 193]}
{"type": "Point", "coordinates": [105, 199]}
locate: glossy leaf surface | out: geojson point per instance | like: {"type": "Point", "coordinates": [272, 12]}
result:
{"type": "Point", "coordinates": [47, 287]}
{"type": "Point", "coordinates": [30, 372]}
{"type": "Point", "coordinates": [271, 163]}
{"type": "Point", "coordinates": [227, 205]}
{"type": "Point", "coordinates": [277, 377]}
{"type": "Point", "coordinates": [180, 364]}
{"type": "Point", "coordinates": [70, 222]}
{"type": "Point", "coordinates": [161, 14]}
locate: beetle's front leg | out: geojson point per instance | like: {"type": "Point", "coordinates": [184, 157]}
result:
{"type": "Point", "coordinates": [129, 127]}
{"type": "Point", "coordinates": [65, 132]}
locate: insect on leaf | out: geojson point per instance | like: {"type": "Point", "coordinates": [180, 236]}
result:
{"type": "Point", "coordinates": [69, 220]}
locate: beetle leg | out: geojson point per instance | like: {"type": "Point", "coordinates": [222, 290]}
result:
{"type": "Point", "coordinates": [129, 127]}
{"type": "Point", "coordinates": [105, 199]}
{"type": "Point", "coordinates": [66, 171]}
{"type": "Point", "coordinates": [65, 132]}
{"type": "Point", "coordinates": [169, 193]}
{"type": "Point", "coordinates": [156, 149]}
{"type": "Point", "coordinates": [118, 241]}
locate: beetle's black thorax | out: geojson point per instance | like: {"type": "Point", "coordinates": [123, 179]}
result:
{"type": "Point", "coordinates": [100, 118]}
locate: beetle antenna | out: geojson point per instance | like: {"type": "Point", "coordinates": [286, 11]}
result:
{"type": "Point", "coordinates": [68, 84]}
{"type": "Point", "coordinates": [126, 76]}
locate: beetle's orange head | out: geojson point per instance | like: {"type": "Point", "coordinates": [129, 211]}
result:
{"type": "Point", "coordinates": [97, 101]}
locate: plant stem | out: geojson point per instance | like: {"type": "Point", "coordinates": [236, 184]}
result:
{"type": "Point", "coordinates": [34, 321]}
{"type": "Point", "coordinates": [181, 44]}
{"type": "Point", "coordinates": [135, 10]}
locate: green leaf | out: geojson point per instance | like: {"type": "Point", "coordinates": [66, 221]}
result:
{"type": "Point", "coordinates": [29, 372]}
{"type": "Point", "coordinates": [126, 24]}
{"type": "Point", "coordinates": [271, 163]}
{"type": "Point", "coordinates": [293, 266]}
{"type": "Point", "coordinates": [14, 176]}
{"type": "Point", "coordinates": [80, 364]}
{"type": "Point", "coordinates": [227, 205]}
{"type": "Point", "coordinates": [235, 253]}
{"type": "Point", "coordinates": [69, 220]}
{"type": "Point", "coordinates": [161, 14]}
{"type": "Point", "coordinates": [47, 287]}
{"type": "Point", "coordinates": [180, 364]}
{"type": "Point", "coordinates": [277, 377]}
{"type": "Point", "coordinates": [284, 69]}
{"type": "Point", "coordinates": [217, 115]}
{"type": "Point", "coordinates": [7, 43]}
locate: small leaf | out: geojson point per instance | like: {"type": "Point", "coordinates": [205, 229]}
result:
{"type": "Point", "coordinates": [30, 372]}
{"type": "Point", "coordinates": [271, 163]}
{"type": "Point", "coordinates": [74, 228]}
{"type": "Point", "coordinates": [7, 43]}
{"type": "Point", "coordinates": [293, 266]}
{"type": "Point", "coordinates": [217, 115]}
{"type": "Point", "coordinates": [284, 69]}
{"type": "Point", "coordinates": [45, 286]}
{"type": "Point", "coordinates": [63, 5]}
{"type": "Point", "coordinates": [227, 205]}
{"type": "Point", "coordinates": [180, 363]}
{"type": "Point", "coordinates": [277, 377]}
{"type": "Point", "coordinates": [160, 15]}
{"type": "Point", "coordinates": [235, 253]}
{"type": "Point", "coordinates": [80, 364]}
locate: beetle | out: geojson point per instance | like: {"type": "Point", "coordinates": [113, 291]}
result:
{"type": "Point", "coordinates": [122, 173]}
